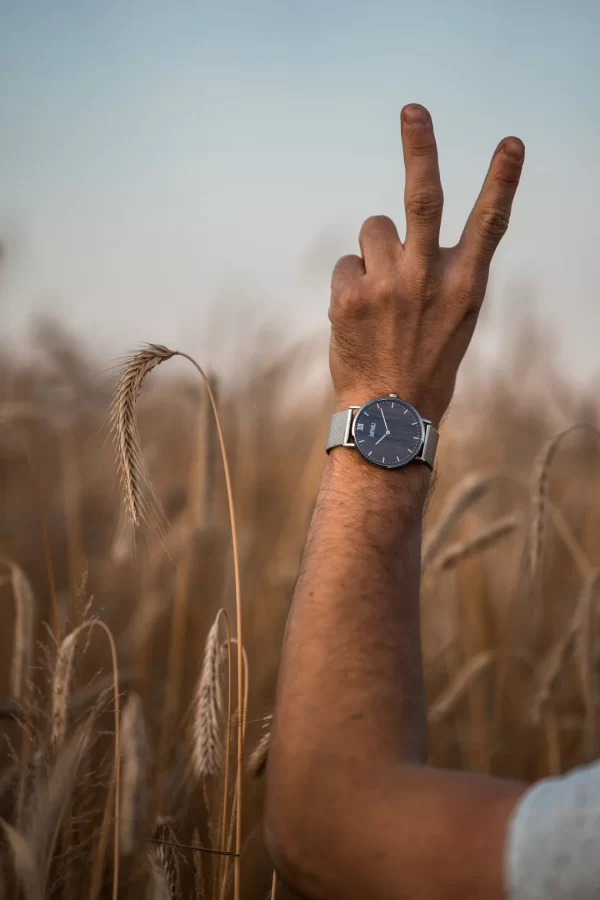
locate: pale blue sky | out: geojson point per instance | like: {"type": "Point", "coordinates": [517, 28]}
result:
{"type": "Point", "coordinates": [157, 158]}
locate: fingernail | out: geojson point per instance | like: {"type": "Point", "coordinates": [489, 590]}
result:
{"type": "Point", "coordinates": [415, 115]}
{"type": "Point", "coordinates": [514, 150]}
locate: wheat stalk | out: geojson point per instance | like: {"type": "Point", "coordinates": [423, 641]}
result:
{"type": "Point", "coordinates": [207, 752]}
{"type": "Point", "coordinates": [124, 424]}
{"type": "Point", "coordinates": [485, 538]}
{"type": "Point", "coordinates": [541, 490]}
{"type": "Point", "coordinates": [466, 493]}
{"type": "Point", "coordinates": [61, 684]}
{"type": "Point", "coordinates": [586, 658]}
{"type": "Point", "coordinates": [199, 884]}
{"type": "Point", "coordinates": [465, 677]}
{"type": "Point", "coordinates": [134, 762]}
{"type": "Point", "coordinates": [557, 657]}
{"type": "Point", "coordinates": [24, 599]}
{"type": "Point", "coordinates": [132, 473]}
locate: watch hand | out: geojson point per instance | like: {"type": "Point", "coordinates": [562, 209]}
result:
{"type": "Point", "coordinates": [384, 422]}
{"type": "Point", "coordinates": [381, 438]}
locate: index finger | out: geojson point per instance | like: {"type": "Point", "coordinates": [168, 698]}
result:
{"type": "Point", "coordinates": [489, 219]}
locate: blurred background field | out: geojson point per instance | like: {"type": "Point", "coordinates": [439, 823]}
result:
{"type": "Point", "coordinates": [188, 173]}
{"type": "Point", "coordinates": [509, 599]}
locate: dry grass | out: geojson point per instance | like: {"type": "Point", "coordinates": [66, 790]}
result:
{"type": "Point", "coordinates": [509, 693]}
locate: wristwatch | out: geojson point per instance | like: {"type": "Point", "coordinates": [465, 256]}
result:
{"type": "Point", "coordinates": [389, 432]}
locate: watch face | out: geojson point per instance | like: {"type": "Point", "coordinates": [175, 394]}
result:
{"type": "Point", "coordinates": [388, 432]}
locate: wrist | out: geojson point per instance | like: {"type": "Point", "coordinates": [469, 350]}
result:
{"type": "Point", "coordinates": [404, 489]}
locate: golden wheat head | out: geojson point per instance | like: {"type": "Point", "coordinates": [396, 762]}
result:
{"type": "Point", "coordinates": [124, 425]}
{"type": "Point", "coordinates": [207, 755]}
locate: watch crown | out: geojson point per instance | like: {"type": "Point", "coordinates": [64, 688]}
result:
{"type": "Point", "coordinates": [395, 396]}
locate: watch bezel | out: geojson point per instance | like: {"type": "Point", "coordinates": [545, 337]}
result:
{"type": "Point", "coordinates": [374, 462]}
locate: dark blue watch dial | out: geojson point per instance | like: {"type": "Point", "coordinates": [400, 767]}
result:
{"type": "Point", "coordinates": [388, 432]}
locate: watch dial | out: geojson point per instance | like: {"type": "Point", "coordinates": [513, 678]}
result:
{"type": "Point", "coordinates": [388, 432]}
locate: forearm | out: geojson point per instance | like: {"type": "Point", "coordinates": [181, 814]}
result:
{"type": "Point", "coordinates": [350, 691]}
{"type": "Point", "coordinates": [351, 668]}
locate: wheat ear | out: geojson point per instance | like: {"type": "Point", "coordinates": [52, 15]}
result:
{"type": "Point", "coordinates": [124, 424]}
{"type": "Point", "coordinates": [465, 494]}
{"type": "Point", "coordinates": [257, 761]}
{"type": "Point", "coordinates": [485, 538]}
{"type": "Point", "coordinates": [207, 753]}
{"type": "Point", "coordinates": [134, 764]}
{"type": "Point", "coordinates": [541, 490]}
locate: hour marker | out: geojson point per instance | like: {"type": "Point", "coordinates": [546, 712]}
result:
{"type": "Point", "coordinates": [370, 453]}
{"type": "Point", "coordinates": [392, 405]}
{"type": "Point", "coordinates": [397, 459]}
{"type": "Point", "coordinates": [383, 460]}
{"type": "Point", "coordinates": [405, 411]}
{"type": "Point", "coordinates": [362, 442]}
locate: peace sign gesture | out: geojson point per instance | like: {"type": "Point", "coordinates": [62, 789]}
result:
{"type": "Point", "coordinates": [403, 313]}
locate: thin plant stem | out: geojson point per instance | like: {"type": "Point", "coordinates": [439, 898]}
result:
{"type": "Point", "coordinates": [238, 613]}
{"type": "Point", "coordinates": [223, 836]}
{"type": "Point", "coordinates": [117, 756]}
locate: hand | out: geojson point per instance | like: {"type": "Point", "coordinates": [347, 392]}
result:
{"type": "Point", "coordinates": [403, 314]}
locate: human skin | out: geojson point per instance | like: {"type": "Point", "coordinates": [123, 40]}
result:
{"type": "Point", "coordinates": [352, 809]}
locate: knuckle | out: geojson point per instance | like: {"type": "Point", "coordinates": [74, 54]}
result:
{"type": "Point", "coordinates": [508, 175]}
{"type": "Point", "coordinates": [385, 288]}
{"type": "Point", "coordinates": [349, 303]}
{"type": "Point", "coordinates": [425, 204]}
{"type": "Point", "coordinates": [493, 222]}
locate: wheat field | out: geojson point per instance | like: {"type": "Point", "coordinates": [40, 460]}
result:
{"type": "Point", "coordinates": [135, 725]}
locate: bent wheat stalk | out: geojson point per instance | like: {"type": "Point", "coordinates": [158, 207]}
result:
{"type": "Point", "coordinates": [133, 475]}
{"type": "Point", "coordinates": [485, 538]}
{"type": "Point", "coordinates": [465, 494]}
{"type": "Point", "coordinates": [541, 490]}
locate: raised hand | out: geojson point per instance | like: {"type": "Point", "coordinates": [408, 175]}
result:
{"type": "Point", "coordinates": [403, 313]}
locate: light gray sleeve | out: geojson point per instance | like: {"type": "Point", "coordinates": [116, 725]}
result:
{"type": "Point", "coordinates": [553, 844]}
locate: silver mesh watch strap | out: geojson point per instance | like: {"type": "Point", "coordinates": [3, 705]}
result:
{"type": "Point", "coordinates": [339, 429]}
{"type": "Point", "coordinates": [340, 435]}
{"type": "Point", "coordinates": [430, 443]}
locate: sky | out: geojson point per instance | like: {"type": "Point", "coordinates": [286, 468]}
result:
{"type": "Point", "coordinates": [175, 172]}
